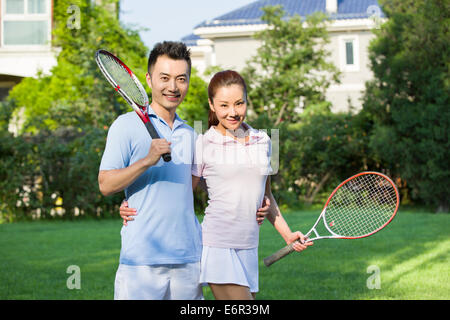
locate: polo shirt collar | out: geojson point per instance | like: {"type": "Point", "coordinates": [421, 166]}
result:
{"type": "Point", "coordinates": [216, 137]}
{"type": "Point", "coordinates": [176, 122]}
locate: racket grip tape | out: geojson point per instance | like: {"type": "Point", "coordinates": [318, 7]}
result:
{"type": "Point", "coordinates": [167, 157]}
{"type": "Point", "coordinates": [279, 254]}
{"type": "Point", "coordinates": [151, 129]}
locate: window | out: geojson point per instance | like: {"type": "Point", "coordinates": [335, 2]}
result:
{"type": "Point", "coordinates": [14, 7]}
{"type": "Point", "coordinates": [25, 22]}
{"type": "Point", "coordinates": [349, 53]}
{"type": "Point", "coordinates": [36, 6]}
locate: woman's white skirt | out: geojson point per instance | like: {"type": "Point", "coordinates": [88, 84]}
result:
{"type": "Point", "coordinates": [225, 265]}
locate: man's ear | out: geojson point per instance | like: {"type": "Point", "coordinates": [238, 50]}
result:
{"type": "Point", "coordinates": [149, 80]}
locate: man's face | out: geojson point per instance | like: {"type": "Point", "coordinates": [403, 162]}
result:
{"type": "Point", "coordinates": [169, 81]}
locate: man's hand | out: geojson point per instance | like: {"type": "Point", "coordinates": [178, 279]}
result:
{"type": "Point", "coordinates": [157, 149]}
{"type": "Point", "coordinates": [262, 212]}
{"type": "Point", "coordinates": [115, 180]}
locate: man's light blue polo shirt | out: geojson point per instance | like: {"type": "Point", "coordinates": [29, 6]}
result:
{"type": "Point", "coordinates": [165, 230]}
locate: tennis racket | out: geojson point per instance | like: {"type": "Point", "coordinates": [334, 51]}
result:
{"type": "Point", "coordinates": [129, 87]}
{"type": "Point", "coordinates": [359, 207]}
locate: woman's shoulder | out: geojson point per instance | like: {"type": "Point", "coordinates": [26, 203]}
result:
{"type": "Point", "coordinates": [258, 135]}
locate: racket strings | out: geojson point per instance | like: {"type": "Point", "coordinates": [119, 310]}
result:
{"type": "Point", "coordinates": [124, 79]}
{"type": "Point", "coordinates": [361, 206]}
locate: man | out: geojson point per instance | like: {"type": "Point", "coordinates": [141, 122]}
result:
{"type": "Point", "coordinates": [161, 249]}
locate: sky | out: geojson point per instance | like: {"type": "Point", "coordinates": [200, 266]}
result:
{"type": "Point", "coordinates": [172, 19]}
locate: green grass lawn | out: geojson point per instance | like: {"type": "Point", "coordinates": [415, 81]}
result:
{"type": "Point", "coordinates": [412, 256]}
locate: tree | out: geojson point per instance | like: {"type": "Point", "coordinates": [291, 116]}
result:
{"type": "Point", "coordinates": [287, 80]}
{"type": "Point", "coordinates": [195, 105]}
{"type": "Point", "coordinates": [318, 152]}
{"type": "Point", "coordinates": [291, 70]}
{"type": "Point", "coordinates": [408, 100]}
{"type": "Point", "coordinates": [75, 93]}
{"type": "Point", "coordinates": [56, 156]}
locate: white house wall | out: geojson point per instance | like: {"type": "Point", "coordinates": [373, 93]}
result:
{"type": "Point", "coordinates": [233, 53]}
{"type": "Point", "coordinates": [26, 63]}
{"type": "Point", "coordinates": [230, 50]}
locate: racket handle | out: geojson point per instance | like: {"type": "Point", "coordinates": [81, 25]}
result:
{"type": "Point", "coordinates": [167, 157]}
{"type": "Point", "coordinates": [279, 254]}
{"type": "Point", "coordinates": [151, 129]}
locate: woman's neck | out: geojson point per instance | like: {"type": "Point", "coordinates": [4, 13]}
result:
{"type": "Point", "coordinates": [240, 134]}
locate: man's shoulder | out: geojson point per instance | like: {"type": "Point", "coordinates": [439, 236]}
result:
{"type": "Point", "coordinates": [126, 118]}
{"type": "Point", "coordinates": [126, 127]}
{"type": "Point", "coordinates": [126, 122]}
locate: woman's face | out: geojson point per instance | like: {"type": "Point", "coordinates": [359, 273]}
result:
{"type": "Point", "coordinates": [230, 107]}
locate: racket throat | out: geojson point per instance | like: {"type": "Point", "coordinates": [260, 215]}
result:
{"type": "Point", "coordinates": [313, 230]}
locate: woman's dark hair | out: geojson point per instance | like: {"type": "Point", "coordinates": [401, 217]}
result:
{"type": "Point", "coordinates": [223, 79]}
{"type": "Point", "coordinates": [174, 50]}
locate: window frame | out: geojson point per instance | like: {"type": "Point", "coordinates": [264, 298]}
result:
{"type": "Point", "coordinates": [343, 40]}
{"type": "Point", "coordinates": [47, 17]}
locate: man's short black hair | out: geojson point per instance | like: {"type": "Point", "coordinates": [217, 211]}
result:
{"type": "Point", "coordinates": [174, 50]}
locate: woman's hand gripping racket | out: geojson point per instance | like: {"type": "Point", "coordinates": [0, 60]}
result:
{"type": "Point", "coordinates": [129, 87]}
{"type": "Point", "coordinates": [359, 207]}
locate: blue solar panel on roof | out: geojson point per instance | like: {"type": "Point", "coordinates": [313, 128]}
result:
{"type": "Point", "coordinates": [251, 13]}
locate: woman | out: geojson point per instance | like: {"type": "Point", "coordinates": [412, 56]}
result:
{"type": "Point", "coordinates": [234, 160]}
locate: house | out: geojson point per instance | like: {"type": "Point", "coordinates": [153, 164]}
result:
{"type": "Point", "coordinates": [25, 38]}
{"type": "Point", "coordinates": [25, 34]}
{"type": "Point", "coordinates": [227, 41]}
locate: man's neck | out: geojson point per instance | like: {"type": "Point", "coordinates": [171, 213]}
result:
{"type": "Point", "coordinates": [168, 115]}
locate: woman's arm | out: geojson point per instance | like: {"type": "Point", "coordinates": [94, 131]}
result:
{"type": "Point", "coordinates": [127, 213]}
{"type": "Point", "coordinates": [276, 218]}
{"type": "Point", "coordinates": [195, 182]}
{"type": "Point", "coordinates": [198, 182]}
